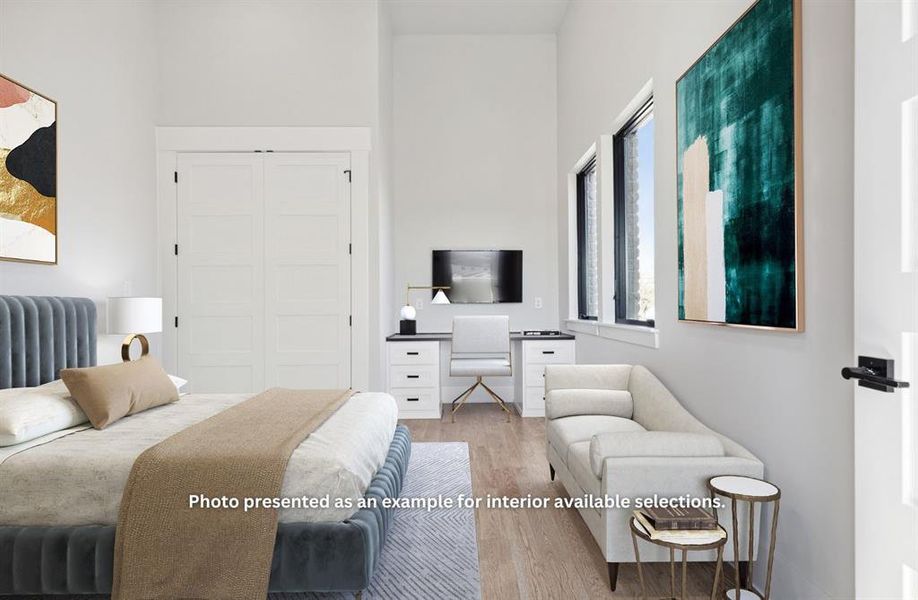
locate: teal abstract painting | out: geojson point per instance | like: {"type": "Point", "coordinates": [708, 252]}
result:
{"type": "Point", "coordinates": [738, 170]}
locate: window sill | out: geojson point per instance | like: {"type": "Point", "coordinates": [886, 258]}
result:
{"type": "Point", "coordinates": [582, 326]}
{"type": "Point", "coordinates": [649, 337]}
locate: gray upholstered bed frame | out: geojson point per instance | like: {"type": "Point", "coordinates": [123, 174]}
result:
{"type": "Point", "coordinates": [41, 335]}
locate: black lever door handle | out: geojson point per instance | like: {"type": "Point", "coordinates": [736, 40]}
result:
{"type": "Point", "coordinates": [871, 376]}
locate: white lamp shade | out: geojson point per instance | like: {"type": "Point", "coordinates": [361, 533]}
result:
{"type": "Point", "coordinates": [135, 315]}
{"type": "Point", "coordinates": [408, 313]}
{"type": "Point", "coordinates": [440, 298]}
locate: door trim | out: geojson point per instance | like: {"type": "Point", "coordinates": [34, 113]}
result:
{"type": "Point", "coordinates": [170, 141]}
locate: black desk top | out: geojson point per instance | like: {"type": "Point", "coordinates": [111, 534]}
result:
{"type": "Point", "coordinates": [446, 335]}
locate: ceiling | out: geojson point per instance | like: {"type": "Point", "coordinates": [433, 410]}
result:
{"type": "Point", "coordinates": [476, 16]}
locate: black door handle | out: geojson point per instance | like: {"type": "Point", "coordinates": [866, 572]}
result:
{"type": "Point", "coordinates": [874, 373]}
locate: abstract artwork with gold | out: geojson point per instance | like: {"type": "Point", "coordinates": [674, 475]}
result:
{"type": "Point", "coordinates": [28, 174]}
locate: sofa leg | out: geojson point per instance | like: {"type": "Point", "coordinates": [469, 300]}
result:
{"type": "Point", "coordinates": [613, 576]}
{"type": "Point", "coordinates": [551, 472]}
{"type": "Point", "coordinates": [744, 574]}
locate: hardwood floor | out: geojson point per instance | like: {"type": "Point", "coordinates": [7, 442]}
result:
{"type": "Point", "coordinates": [536, 553]}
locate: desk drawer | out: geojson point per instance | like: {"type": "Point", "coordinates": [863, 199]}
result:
{"type": "Point", "coordinates": [408, 376]}
{"type": "Point", "coordinates": [413, 400]}
{"type": "Point", "coordinates": [534, 400]}
{"type": "Point", "coordinates": [414, 353]}
{"type": "Point", "coordinates": [548, 352]}
{"type": "Point", "coordinates": [535, 376]}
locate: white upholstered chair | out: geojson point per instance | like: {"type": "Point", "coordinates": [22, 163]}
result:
{"type": "Point", "coordinates": [480, 348]}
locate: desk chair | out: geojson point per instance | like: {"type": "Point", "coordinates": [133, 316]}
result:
{"type": "Point", "coordinates": [481, 347]}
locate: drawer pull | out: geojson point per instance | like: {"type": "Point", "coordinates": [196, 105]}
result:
{"type": "Point", "coordinates": [548, 351]}
{"type": "Point", "coordinates": [412, 353]}
{"type": "Point", "coordinates": [413, 376]}
{"type": "Point", "coordinates": [412, 399]}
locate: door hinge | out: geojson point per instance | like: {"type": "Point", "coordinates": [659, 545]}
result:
{"type": "Point", "coordinates": [176, 249]}
{"type": "Point", "coordinates": [350, 248]}
{"type": "Point", "coordinates": [176, 321]}
{"type": "Point", "coordinates": [350, 320]}
{"type": "Point", "coordinates": [348, 173]}
{"type": "Point", "coordinates": [175, 175]}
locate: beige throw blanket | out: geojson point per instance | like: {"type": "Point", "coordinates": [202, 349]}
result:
{"type": "Point", "coordinates": [164, 548]}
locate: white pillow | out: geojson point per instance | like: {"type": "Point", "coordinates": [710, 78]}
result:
{"type": "Point", "coordinates": [28, 413]}
{"type": "Point", "coordinates": [178, 382]}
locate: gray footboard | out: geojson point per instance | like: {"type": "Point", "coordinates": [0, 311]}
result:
{"type": "Point", "coordinates": [308, 557]}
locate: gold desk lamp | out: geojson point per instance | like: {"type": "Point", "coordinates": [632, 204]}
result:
{"type": "Point", "coordinates": [407, 324]}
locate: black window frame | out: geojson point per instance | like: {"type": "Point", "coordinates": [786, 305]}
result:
{"type": "Point", "coordinates": [589, 167]}
{"type": "Point", "coordinates": [618, 209]}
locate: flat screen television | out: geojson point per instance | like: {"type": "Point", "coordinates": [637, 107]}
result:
{"type": "Point", "coordinates": [479, 276]}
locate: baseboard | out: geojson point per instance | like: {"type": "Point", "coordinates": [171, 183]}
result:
{"type": "Point", "coordinates": [788, 582]}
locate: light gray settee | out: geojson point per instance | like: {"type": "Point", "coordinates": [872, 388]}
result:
{"type": "Point", "coordinates": [616, 430]}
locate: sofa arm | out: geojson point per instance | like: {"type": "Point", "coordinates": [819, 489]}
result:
{"type": "Point", "coordinates": [634, 477]}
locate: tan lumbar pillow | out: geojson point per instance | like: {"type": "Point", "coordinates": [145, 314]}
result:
{"type": "Point", "coordinates": [110, 392]}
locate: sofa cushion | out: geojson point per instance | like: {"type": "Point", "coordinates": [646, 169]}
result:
{"type": "Point", "coordinates": [578, 463]}
{"type": "Point", "coordinates": [569, 430]}
{"type": "Point", "coordinates": [474, 367]}
{"type": "Point", "coordinates": [650, 443]}
{"type": "Point", "coordinates": [566, 403]}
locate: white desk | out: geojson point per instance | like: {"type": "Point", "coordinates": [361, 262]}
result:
{"type": "Point", "coordinates": [417, 368]}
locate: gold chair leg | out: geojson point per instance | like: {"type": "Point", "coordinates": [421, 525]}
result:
{"type": "Point", "coordinates": [498, 399]}
{"type": "Point", "coordinates": [458, 402]}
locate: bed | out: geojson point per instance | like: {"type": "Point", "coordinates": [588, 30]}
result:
{"type": "Point", "coordinates": [59, 497]}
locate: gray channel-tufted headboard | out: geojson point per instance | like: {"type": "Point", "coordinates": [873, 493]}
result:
{"type": "Point", "coordinates": [40, 335]}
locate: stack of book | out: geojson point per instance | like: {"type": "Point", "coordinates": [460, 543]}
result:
{"type": "Point", "coordinates": [679, 524]}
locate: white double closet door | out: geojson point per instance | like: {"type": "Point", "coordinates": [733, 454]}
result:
{"type": "Point", "coordinates": [264, 271]}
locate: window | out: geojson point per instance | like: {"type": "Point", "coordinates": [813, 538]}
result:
{"type": "Point", "coordinates": [632, 156]}
{"type": "Point", "coordinates": [587, 243]}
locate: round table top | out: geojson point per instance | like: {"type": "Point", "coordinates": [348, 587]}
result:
{"type": "Point", "coordinates": [717, 537]}
{"type": "Point", "coordinates": [744, 488]}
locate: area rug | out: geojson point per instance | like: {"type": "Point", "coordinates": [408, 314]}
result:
{"type": "Point", "coordinates": [428, 554]}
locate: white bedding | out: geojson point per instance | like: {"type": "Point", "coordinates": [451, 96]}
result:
{"type": "Point", "coordinates": [77, 479]}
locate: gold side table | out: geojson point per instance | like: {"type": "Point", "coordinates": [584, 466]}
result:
{"type": "Point", "coordinates": [711, 543]}
{"type": "Point", "coordinates": [753, 491]}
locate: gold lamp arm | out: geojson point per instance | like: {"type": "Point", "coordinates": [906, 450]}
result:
{"type": "Point", "coordinates": [410, 287]}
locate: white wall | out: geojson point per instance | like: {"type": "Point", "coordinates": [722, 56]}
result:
{"type": "Point", "coordinates": [97, 59]}
{"type": "Point", "coordinates": [779, 394]}
{"type": "Point", "coordinates": [385, 273]}
{"type": "Point", "coordinates": [266, 62]}
{"type": "Point", "coordinates": [475, 156]}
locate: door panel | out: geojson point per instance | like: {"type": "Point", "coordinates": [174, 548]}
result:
{"type": "Point", "coordinates": [307, 270]}
{"type": "Point", "coordinates": [221, 271]}
{"type": "Point", "coordinates": [886, 296]}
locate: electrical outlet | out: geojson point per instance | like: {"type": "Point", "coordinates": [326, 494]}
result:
{"type": "Point", "coordinates": [538, 302]}
{"type": "Point", "coordinates": [419, 304]}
